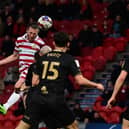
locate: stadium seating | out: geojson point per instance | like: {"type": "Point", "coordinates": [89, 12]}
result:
{"type": "Point", "coordinates": [109, 53]}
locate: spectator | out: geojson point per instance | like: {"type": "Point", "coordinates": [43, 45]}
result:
{"type": "Point", "coordinates": [74, 46]}
{"type": "Point", "coordinates": [33, 13]}
{"type": "Point", "coordinates": [85, 36]}
{"type": "Point", "coordinates": [116, 8]}
{"type": "Point", "coordinates": [6, 12]}
{"type": "Point", "coordinates": [105, 28]}
{"type": "Point", "coordinates": [118, 27]}
{"type": "Point", "coordinates": [97, 36]}
{"type": "Point", "coordinates": [7, 46]}
{"type": "Point", "coordinates": [2, 27]}
{"type": "Point", "coordinates": [126, 15]}
{"type": "Point", "coordinates": [20, 13]}
{"type": "Point", "coordinates": [73, 10]}
{"type": "Point", "coordinates": [9, 26]}
{"type": "Point", "coordinates": [19, 27]}
{"type": "Point", "coordinates": [51, 9]}
{"type": "Point", "coordinates": [40, 8]}
{"type": "Point", "coordinates": [86, 11]}
{"type": "Point", "coordinates": [18, 4]}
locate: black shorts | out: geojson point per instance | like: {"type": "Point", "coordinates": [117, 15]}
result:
{"type": "Point", "coordinates": [50, 108]}
{"type": "Point", "coordinates": [126, 114]}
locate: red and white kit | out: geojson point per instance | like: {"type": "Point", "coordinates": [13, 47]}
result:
{"type": "Point", "coordinates": [26, 51]}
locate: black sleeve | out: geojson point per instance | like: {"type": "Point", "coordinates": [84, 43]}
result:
{"type": "Point", "coordinates": [74, 67]}
{"type": "Point", "coordinates": [125, 65]}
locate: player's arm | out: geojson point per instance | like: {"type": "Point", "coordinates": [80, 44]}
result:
{"type": "Point", "coordinates": [35, 79]}
{"type": "Point", "coordinates": [85, 82]}
{"type": "Point", "coordinates": [119, 82]}
{"type": "Point", "coordinates": [79, 78]}
{"type": "Point", "coordinates": [9, 59]}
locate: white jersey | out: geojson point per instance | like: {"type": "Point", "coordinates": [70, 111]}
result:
{"type": "Point", "coordinates": [26, 51]}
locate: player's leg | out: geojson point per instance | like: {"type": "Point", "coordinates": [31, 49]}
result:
{"type": "Point", "coordinates": [74, 125]}
{"type": "Point", "coordinates": [64, 117]}
{"type": "Point", "coordinates": [15, 96]}
{"type": "Point", "coordinates": [125, 120]}
{"type": "Point", "coordinates": [23, 125]}
{"type": "Point", "coordinates": [125, 124]}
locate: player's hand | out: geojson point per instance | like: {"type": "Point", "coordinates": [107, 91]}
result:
{"type": "Point", "coordinates": [110, 102]}
{"type": "Point", "coordinates": [24, 87]}
{"type": "Point", "coordinates": [100, 87]}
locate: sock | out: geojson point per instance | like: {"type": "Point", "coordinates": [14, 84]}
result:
{"type": "Point", "coordinates": [12, 100]}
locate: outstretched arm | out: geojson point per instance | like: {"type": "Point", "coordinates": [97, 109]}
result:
{"type": "Point", "coordinates": [84, 81]}
{"type": "Point", "coordinates": [9, 59]}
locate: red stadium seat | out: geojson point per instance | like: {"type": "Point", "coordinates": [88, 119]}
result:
{"type": "Point", "coordinates": [109, 42]}
{"type": "Point", "coordinates": [89, 72]}
{"type": "Point", "coordinates": [86, 51]}
{"type": "Point", "coordinates": [100, 63]}
{"type": "Point", "coordinates": [120, 44]}
{"type": "Point", "coordinates": [110, 53]}
{"type": "Point", "coordinates": [127, 34]}
{"type": "Point", "coordinates": [98, 51]}
{"type": "Point", "coordinates": [88, 59]}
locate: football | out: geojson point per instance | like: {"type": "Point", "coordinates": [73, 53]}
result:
{"type": "Point", "coordinates": [45, 22]}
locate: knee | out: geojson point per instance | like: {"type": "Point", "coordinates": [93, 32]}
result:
{"type": "Point", "coordinates": [74, 125]}
{"type": "Point", "coordinates": [17, 90]}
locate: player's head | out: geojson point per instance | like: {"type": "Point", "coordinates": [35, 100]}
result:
{"type": "Point", "coordinates": [61, 39]}
{"type": "Point", "coordinates": [32, 31]}
{"type": "Point", "coordinates": [45, 49]}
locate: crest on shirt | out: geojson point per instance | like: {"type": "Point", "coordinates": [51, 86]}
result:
{"type": "Point", "coordinates": [34, 45]}
{"type": "Point", "coordinates": [44, 90]}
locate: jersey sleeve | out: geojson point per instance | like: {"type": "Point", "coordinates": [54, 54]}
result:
{"type": "Point", "coordinates": [125, 65]}
{"type": "Point", "coordinates": [74, 67]}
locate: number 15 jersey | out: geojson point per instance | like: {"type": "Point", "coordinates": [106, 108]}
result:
{"type": "Point", "coordinates": [53, 70]}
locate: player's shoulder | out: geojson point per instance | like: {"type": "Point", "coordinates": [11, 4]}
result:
{"type": "Point", "coordinates": [67, 57]}
{"type": "Point", "coordinates": [21, 39]}
{"type": "Point", "coordinates": [40, 40]}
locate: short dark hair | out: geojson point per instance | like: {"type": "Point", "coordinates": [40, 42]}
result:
{"type": "Point", "coordinates": [34, 25]}
{"type": "Point", "coordinates": [61, 39]}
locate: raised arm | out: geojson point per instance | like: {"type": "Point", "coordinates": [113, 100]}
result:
{"type": "Point", "coordinates": [9, 59]}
